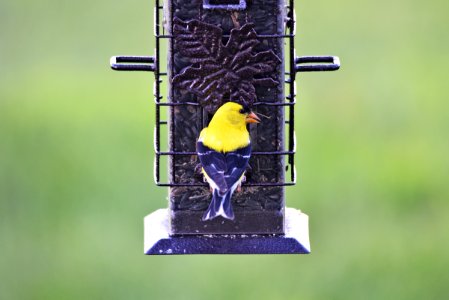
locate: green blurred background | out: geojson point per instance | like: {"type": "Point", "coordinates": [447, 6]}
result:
{"type": "Point", "coordinates": [76, 159]}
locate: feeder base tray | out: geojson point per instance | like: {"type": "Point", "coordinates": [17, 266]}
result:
{"type": "Point", "coordinates": [159, 242]}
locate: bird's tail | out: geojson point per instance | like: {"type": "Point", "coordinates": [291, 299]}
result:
{"type": "Point", "coordinates": [220, 206]}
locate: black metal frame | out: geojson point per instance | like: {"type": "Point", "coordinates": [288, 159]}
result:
{"type": "Point", "coordinates": [295, 65]}
{"type": "Point", "coordinates": [237, 6]}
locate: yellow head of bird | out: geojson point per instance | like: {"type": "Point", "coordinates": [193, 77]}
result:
{"type": "Point", "coordinates": [235, 114]}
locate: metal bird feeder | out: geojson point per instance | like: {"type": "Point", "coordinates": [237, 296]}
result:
{"type": "Point", "coordinates": [214, 51]}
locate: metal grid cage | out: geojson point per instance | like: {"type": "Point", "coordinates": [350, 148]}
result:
{"type": "Point", "coordinates": [293, 65]}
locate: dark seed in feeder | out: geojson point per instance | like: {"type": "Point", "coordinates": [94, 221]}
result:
{"type": "Point", "coordinates": [186, 123]}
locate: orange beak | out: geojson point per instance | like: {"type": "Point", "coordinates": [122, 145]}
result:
{"type": "Point", "coordinates": [252, 118]}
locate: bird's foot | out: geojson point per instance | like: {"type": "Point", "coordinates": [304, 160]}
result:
{"type": "Point", "coordinates": [239, 188]}
{"type": "Point", "coordinates": [210, 188]}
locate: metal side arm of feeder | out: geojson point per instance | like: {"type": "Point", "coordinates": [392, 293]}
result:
{"type": "Point", "coordinates": [317, 63]}
{"type": "Point", "coordinates": [133, 63]}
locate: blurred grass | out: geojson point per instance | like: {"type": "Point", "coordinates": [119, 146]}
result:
{"type": "Point", "coordinates": [76, 159]}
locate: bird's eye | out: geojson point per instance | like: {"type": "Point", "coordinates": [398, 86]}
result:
{"type": "Point", "coordinates": [245, 110]}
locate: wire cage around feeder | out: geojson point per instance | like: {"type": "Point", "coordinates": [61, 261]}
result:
{"type": "Point", "coordinates": [269, 27]}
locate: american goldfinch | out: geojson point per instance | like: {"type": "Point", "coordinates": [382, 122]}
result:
{"type": "Point", "coordinates": [224, 149]}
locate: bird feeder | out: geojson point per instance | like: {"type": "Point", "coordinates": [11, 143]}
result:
{"type": "Point", "coordinates": [209, 52]}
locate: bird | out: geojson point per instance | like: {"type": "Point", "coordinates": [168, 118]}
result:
{"type": "Point", "coordinates": [224, 149]}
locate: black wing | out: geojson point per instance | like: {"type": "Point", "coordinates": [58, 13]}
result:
{"type": "Point", "coordinates": [214, 164]}
{"type": "Point", "coordinates": [236, 163]}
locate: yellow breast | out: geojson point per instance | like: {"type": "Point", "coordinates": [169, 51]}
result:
{"type": "Point", "coordinates": [224, 139]}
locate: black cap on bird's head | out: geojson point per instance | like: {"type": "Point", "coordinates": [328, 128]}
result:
{"type": "Point", "coordinates": [251, 117]}
{"type": "Point", "coordinates": [245, 109]}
